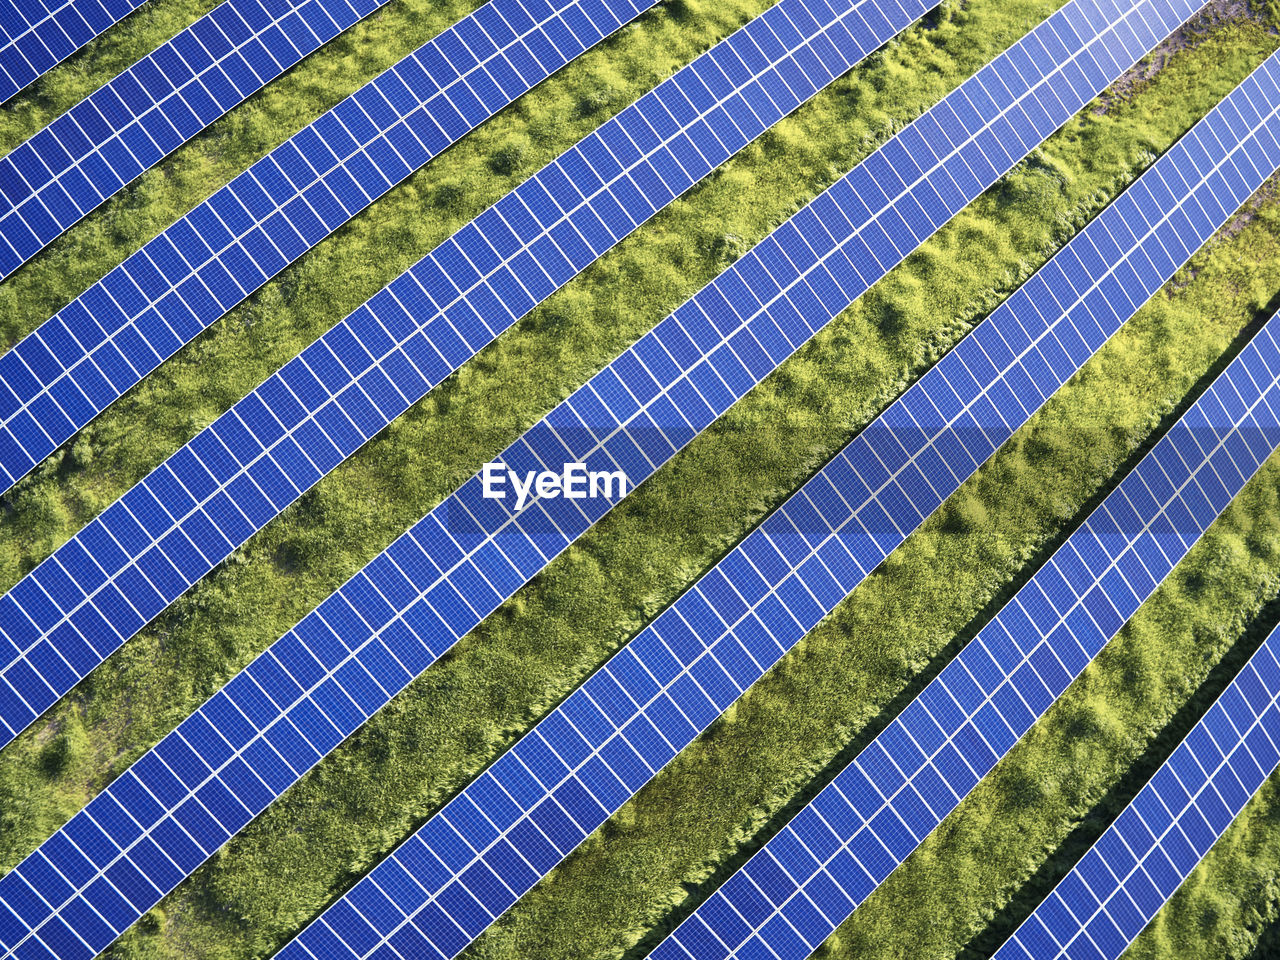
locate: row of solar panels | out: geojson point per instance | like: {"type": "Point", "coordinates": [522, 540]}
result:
{"type": "Point", "coordinates": [1124, 879]}
{"type": "Point", "coordinates": [713, 323]}
{"type": "Point", "coordinates": [111, 336]}
{"type": "Point", "coordinates": [230, 480]}
{"type": "Point", "coordinates": [128, 124]}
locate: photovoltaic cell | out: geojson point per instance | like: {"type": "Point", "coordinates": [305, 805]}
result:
{"type": "Point", "coordinates": [37, 34]}
{"type": "Point", "coordinates": [252, 462]}
{"type": "Point", "coordinates": [794, 892]}
{"type": "Point", "coordinates": [167, 97]}
{"type": "Point", "coordinates": [349, 656]}
{"type": "Point", "coordinates": [78, 362]}
{"type": "Point", "coordinates": [1152, 847]}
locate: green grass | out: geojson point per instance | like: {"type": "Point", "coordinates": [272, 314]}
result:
{"type": "Point", "coordinates": [429, 742]}
{"type": "Point", "coordinates": [119, 47]}
{"type": "Point", "coordinates": [1036, 814]}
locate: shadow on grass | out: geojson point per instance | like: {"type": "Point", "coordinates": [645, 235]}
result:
{"type": "Point", "coordinates": [1268, 945]}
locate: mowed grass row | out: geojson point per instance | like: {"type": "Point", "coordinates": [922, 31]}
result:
{"type": "Point", "coordinates": [1039, 206]}
{"type": "Point", "coordinates": [291, 566]}
{"type": "Point", "coordinates": [336, 823]}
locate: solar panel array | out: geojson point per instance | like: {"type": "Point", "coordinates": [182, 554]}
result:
{"type": "Point", "coordinates": [581, 763]}
{"type": "Point", "coordinates": [807, 879]}
{"type": "Point", "coordinates": [1152, 847]}
{"type": "Point", "coordinates": [239, 473]}
{"type": "Point", "coordinates": [391, 645]}
{"type": "Point", "coordinates": [111, 336]}
{"type": "Point", "coordinates": [400, 613]}
{"type": "Point", "coordinates": [36, 34]}
{"type": "Point", "coordinates": [167, 97]}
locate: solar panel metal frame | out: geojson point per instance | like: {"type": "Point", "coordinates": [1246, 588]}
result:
{"type": "Point", "coordinates": [282, 438]}
{"type": "Point", "coordinates": [793, 893]}
{"type": "Point", "coordinates": [1147, 852]}
{"type": "Point", "coordinates": [343, 690]}
{"type": "Point", "coordinates": [30, 45]}
{"type": "Point", "coordinates": [127, 125]}
{"type": "Point", "coordinates": [76, 364]}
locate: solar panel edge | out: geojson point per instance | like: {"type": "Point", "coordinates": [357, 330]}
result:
{"type": "Point", "coordinates": [96, 180]}
{"type": "Point", "coordinates": [317, 462]}
{"type": "Point", "coordinates": [1139, 835]}
{"type": "Point", "coordinates": [285, 178]}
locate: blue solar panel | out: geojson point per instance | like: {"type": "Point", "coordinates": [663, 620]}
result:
{"type": "Point", "coordinates": [167, 97]}
{"type": "Point", "coordinates": [36, 34]}
{"type": "Point", "coordinates": [393, 619]}
{"type": "Point", "coordinates": [1152, 847]}
{"type": "Point", "coordinates": [239, 473]}
{"type": "Point", "coordinates": [793, 894]}
{"type": "Point", "coordinates": [77, 363]}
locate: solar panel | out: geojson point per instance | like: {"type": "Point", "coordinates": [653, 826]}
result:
{"type": "Point", "coordinates": [167, 97]}
{"type": "Point", "coordinates": [77, 363]}
{"type": "Point", "coordinates": [808, 878]}
{"type": "Point", "coordinates": [393, 616]}
{"type": "Point", "coordinates": [36, 34]}
{"type": "Point", "coordinates": [322, 406]}
{"type": "Point", "coordinates": [1152, 847]}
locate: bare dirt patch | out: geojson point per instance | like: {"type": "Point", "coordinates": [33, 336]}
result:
{"type": "Point", "coordinates": [1269, 190]}
{"type": "Point", "coordinates": [1188, 36]}
{"type": "Point", "coordinates": [1266, 193]}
